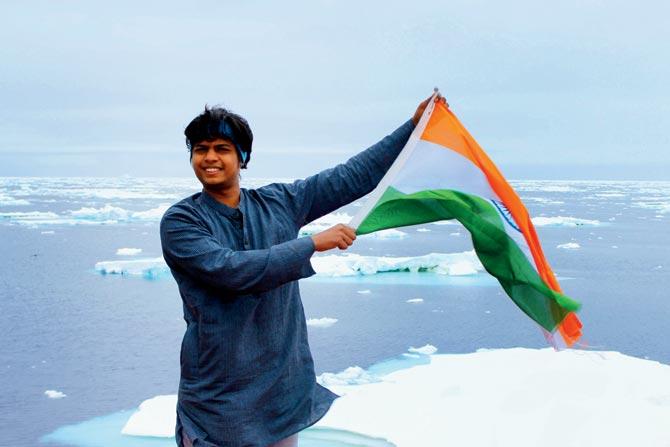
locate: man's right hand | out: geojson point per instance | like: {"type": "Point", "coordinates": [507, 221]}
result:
{"type": "Point", "coordinates": [340, 236]}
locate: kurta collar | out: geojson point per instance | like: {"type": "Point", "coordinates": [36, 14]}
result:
{"type": "Point", "coordinates": [222, 208]}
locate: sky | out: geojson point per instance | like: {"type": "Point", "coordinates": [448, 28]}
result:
{"type": "Point", "coordinates": [572, 89]}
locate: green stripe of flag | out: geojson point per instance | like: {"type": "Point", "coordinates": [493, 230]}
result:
{"type": "Point", "coordinates": [497, 251]}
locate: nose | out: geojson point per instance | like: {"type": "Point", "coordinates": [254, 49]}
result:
{"type": "Point", "coordinates": [211, 155]}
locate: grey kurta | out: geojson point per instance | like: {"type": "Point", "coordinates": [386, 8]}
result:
{"type": "Point", "coordinates": [247, 376]}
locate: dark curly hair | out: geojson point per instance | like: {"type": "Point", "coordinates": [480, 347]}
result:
{"type": "Point", "coordinates": [217, 122]}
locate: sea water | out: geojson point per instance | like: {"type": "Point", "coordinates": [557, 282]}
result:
{"type": "Point", "coordinates": [83, 346]}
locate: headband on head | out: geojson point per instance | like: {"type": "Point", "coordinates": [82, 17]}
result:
{"type": "Point", "coordinates": [224, 131]}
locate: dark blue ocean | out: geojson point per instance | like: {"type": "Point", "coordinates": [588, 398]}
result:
{"type": "Point", "coordinates": [103, 343]}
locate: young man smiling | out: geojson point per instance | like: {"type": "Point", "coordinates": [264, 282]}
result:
{"type": "Point", "coordinates": [247, 376]}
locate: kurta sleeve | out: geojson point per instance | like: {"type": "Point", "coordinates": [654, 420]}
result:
{"type": "Point", "coordinates": [189, 247]}
{"type": "Point", "coordinates": [328, 190]}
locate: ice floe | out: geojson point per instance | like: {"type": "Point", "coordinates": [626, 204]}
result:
{"type": "Point", "coordinates": [364, 292]}
{"type": "Point", "coordinates": [518, 395]}
{"type": "Point", "coordinates": [321, 322]}
{"type": "Point", "coordinates": [423, 230]}
{"type": "Point", "coordinates": [128, 251]}
{"type": "Point", "coordinates": [149, 268]}
{"type": "Point", "coordinates": [456, 264]}
{"type": "Point", "coordinates": [414, 300]}
{"type": "Point", "coordinates": [332, 219]}
{"type": "Point", "coordinates": [453, 264]}
{"type": "Point", "coordinates": [54, 394]}
{"type": "Point", "coordinates": [425, 350]}
{"type": "Point", "coordinates": [569, 246]}
{"type": "Point", "coordinates": [562, 221]}
{"type": "Point", "coordinates": [105, 215]}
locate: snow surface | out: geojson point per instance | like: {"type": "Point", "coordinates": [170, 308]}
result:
{"type": "Point", "coordinates": [521, 397]}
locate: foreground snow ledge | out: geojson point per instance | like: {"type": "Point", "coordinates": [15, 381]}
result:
{"type": "Point", "coordinates": [503, 397]}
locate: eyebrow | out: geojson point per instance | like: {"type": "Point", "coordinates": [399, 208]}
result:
{"type": "Point", "coordinates": [207, 146]}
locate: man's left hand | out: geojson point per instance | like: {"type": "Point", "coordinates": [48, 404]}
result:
{"type": "Point", "coordinates": [424, 104]}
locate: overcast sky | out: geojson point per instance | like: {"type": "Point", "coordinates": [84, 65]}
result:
{"type": "Point", "coordinates": [572, 89]}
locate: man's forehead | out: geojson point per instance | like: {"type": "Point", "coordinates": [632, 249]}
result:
{"type": "Point", "coordinates": [215, 142]}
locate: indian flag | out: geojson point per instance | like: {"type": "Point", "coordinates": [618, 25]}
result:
{"type": "Point", "coordinates": [442, 173]}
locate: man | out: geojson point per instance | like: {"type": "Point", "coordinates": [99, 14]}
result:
{"type": "Point", "coordinates": [247, 376]}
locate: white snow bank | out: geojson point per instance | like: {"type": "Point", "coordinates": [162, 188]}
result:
{"type": "Point", "coordinates": [321, 322]}
{"type": "Point", "coordinates": [561, 221]}
{"type": "Point", "coordinates": [465, 263]}
{"type": "Point", "coordinates": [128, 251]}
{"type": "Point", "coordinates": [521, 397]}
{"type": "Point", "coordinates": [53, 394]}
{"type": "Point", "coordinates": [569, 246]}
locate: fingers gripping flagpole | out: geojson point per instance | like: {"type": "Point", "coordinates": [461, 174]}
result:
{"type": "Point", "coordinates": [397, 164]}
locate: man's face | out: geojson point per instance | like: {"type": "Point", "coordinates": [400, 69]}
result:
{"type": "Point", "coordinates": [216, 164]}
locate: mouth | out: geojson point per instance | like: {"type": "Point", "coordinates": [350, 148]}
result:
{"type": "Point", "coordinates": [212, 170]}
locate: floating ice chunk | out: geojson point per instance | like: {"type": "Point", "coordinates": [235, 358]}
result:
{"type": "Point", "coordinates": [414, 300]}
{"type": "Point", "coordinates": [321, 322]}
{"type": "Point", "coordinates": [11, 201]}
{"type": "Point", "coordinates": [149, 268]}
{"type": "Point", "coordinates": [543, 200]}
{"type": "Point", "coordinates": [364, 292]}
{"type": "Point", "coordinates": [423, 230]}
{"type": "Point", "coordinates": [47, 232]}
{"type": "Point", "coordinates": [354, 375]}
{"type": "Point", "coordinates": [155, 417]}
{"type": "Point", "coordinates": [425, 350]}
{"type": "Point", "coordinates": [465, 263]}
{"type": "Point", "coordinates": [324, 222]}
{"type": "Point", "coordinates": [390, 233]}
{"type": "Point", "coordinates": [128, 251]}
{"type": "Point", "coordinates": [569, 246]}
{"type": "Point", "coordinates": [615, 246]}
{"type": "Point", "coordinates": [561, 221]}
{"type": "Point", "coordinates": [455, 234]}
{"type": "Point", "coordinates": [113, 213]}
{"type": "Point", "coordinates": [53, 394]}
{"type": "Point", "coordinates": [445, 222]}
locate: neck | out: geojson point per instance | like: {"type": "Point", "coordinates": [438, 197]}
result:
{"type": "Point", "coordinates": [229, 196]}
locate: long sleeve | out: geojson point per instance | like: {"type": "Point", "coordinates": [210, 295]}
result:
{"type": "Point", "coordinates": [328, 190]}
{"type": "Point", "coordinates": [189, 247]}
